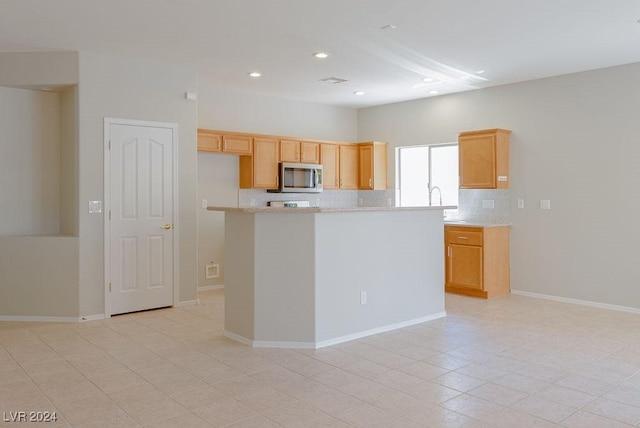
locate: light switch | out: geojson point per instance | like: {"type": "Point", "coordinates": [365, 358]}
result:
{"type": "Point", "coordinates": [204, 204]}
{"type": "Point", "coordinates": [545, 204]}
{"type": "Point", "coordinates": [95, 207]}
{"type": "Point", "coordinates": [520, 203]}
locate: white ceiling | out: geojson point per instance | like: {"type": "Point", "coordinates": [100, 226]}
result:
{"type": "Point", "coordinates": [223, 40]}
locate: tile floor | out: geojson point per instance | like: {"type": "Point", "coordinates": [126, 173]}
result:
{"type": "Point", "coordinates": [512, 361]}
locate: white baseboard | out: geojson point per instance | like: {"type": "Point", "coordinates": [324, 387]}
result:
{"type": "Point", "coordinates": [92, 317]}
{"type": "Point", "coordinates": [238, 338]}
{"type": "Point", "coordinates": [188, 303]}
{"type": "Point", "coordinates": [578, 302]}
{"type": "Point", "coordinates": [34, 318]}
{"type": "Point", "coordinates": [329, 342]}
{"type": "Point", "coordinates": [211, 287]}
{"type": "Point", "coordinates": [379, 330]}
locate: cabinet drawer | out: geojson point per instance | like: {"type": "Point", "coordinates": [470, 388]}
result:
{"type": "Point", "coordinates": [464, 236]}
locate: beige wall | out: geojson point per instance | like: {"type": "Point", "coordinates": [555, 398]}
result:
{"type": "Point", "coordinates": [218, 174]}
{"type": "Point", "coordinates": [108, 87]}
{"type": "Point", "coordinates": [38, 274]}
{"type": "Point", "coordinates": [131, 89]}
{"type": "Point", "coordinates": [576, 142]}
{"type": "Point", "coordinates": [39, 277]}
{"type": "Point", "coordinates": [29, 162]}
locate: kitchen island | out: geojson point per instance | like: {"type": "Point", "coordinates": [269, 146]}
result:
{"type": "Point", "coordinates": [313, 277]}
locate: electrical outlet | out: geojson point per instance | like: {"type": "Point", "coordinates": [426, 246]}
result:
{"type": "Point", "coordinates": [488, 204]}
{"type": "Point", "coordinates": [252, 202]}
{"type": "Point", "coordinates": [520, 203]}
{"type": "Point", "coordinates": [363, 297]}
{"type": "Point", "coordinates": [212, 271]}
{"type": "Point", "coordinates": [545, 204]}
{"type": "Point", "coordinates": [389, 202]}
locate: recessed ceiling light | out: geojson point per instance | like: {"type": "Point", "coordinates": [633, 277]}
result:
{"type": "Point", "coordinates": [388, 27]}
{"type": "Point", "coordinates": [255, 74]}
{"type": "Point", "coordinates": [480, 72]}
{"type": "Point", "coordinates": [321, 55]}
{"type": "Point", "coordinates": [434, 92]}
{"type": "Point", "coordinates": [428, 79]}
{"type": "Point", "coordinates": [358, 93]}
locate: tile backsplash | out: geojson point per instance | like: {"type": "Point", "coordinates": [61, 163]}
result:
{"type": "Point", "coordinates": [474, 205]}
{"type": "Point", "coordinates": [470, 203]}
{"type": "Point", "coordinates": [328, 198]}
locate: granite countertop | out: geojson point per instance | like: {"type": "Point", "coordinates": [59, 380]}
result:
{"type": "Point", "coordinates": [323, 209]}
{"type": "Point", "coordinates": [465, 223]}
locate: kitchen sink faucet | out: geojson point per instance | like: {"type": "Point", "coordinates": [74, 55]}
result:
{"type": "Point", "coordinates": [431, 189]}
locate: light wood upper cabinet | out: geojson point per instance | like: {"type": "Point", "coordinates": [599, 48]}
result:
{"type": "Point", "coordinates": [214, 141]}
{"type": "Point", "coordinates": [372, 166]}
{"type": "Point", "coordinates": [289, 151]}
{"type": "Point", "coordinates": [477, 261]}
{"type": "Point", "coordinates": [309, 152]}
{"type": "Point", "coordinates": [237, 144]}
{"type": "Point", "coordinates": [260, 170]}
{"type": "Point", "coordinates": [484, 159]}
{"type": "Point", "coordinates": [348, 171]}
{"type": "Point", "coordinates": [209, 141]}
{"type": "Point", "coordinates": [299, 151]}
{"type": "Point", "coordinates": [265, 163]}
{"type": "Point", "coordinates": [330, 158]}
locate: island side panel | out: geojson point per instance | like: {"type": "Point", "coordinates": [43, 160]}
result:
{"type": "Point", "coordinates": [284, 275]}
{"type": "Point", "coordinates": [394, 256]}
{"type": "Point", "coordinates": [239, 292]}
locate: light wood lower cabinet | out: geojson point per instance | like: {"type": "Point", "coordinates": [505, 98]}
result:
{"type": "Point", "coordinates": [477, 261]}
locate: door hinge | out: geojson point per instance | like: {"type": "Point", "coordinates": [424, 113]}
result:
{"type": "Point", "coordinates": [109, 287]}
{"type": "Point", "coordinates": [109, 214]}
{"type": "Point", "coordinates": [109, 144]}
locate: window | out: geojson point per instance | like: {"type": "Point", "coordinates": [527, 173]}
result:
{"type": "Point", "coordinates": [421, 167]}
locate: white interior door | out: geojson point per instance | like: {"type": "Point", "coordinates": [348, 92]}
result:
{"type": "Point", "coordinates": [141, 210]}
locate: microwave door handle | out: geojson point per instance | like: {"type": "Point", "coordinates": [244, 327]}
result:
{"type": "Point", "coordinates": [315, 178]}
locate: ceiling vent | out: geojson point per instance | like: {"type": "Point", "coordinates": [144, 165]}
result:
{"type": "Point", "coordinates": [332, 80]}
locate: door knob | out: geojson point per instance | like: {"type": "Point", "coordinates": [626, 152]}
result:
{"type": "Point", "coordinates": [166, 226]}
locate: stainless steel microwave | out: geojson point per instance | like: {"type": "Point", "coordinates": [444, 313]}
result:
{"type": "Point", "coordinates": [299, 178]}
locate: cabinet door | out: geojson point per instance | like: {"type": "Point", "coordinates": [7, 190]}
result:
{"type": "Point", "coordinates": [237, 144]}
{"type": "Point", "coordinates": [265, 163]}
{"type": "Point", "coordinates": [209, 141]}
{"type": "Point", "coordinates": [309, 152]}
{"type": "Point", "coordinates": [477, 161]}
{"type": "Point", "coordinates": [330, 157]}
{"type": "Point", "coordinates": [289, 151]}
{"type": "Point", "coordinates": [365, 167]}
{"type": "Point", "coordinates": [464, 266]}
{"type": "Point", "coordinates": [348, 175]}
